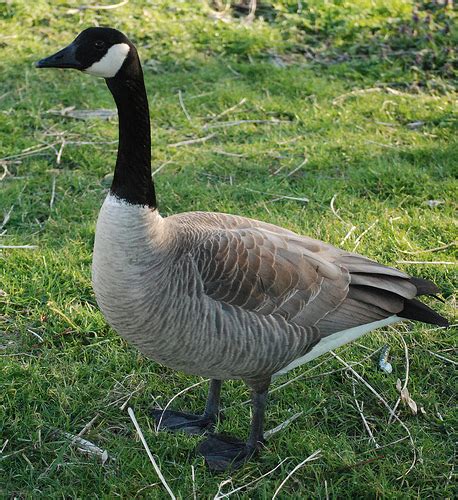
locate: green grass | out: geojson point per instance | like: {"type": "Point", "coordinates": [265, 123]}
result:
{"type": "Point", "coordinates": [363, 90]}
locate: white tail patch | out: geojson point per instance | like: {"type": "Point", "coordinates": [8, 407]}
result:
{"type": "Point", "coordinates": [336, 340]}
{"type": "Point", "coordinates": [111, 62]}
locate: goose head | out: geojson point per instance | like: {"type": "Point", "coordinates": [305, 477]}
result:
{"type": "Point", "coordinates": [103, 52]}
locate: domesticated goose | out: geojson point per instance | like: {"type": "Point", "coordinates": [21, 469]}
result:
{"type": "Point", "coordinates": [219, 295]}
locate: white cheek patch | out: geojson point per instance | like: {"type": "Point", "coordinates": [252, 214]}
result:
{"type": "Point", "coordinates": [111, 62]}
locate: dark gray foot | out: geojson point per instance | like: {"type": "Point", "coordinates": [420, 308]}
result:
{"type": "Point", "coordinates": [176, 421]}
{"type": "Point", "coordinates": [225, 453]}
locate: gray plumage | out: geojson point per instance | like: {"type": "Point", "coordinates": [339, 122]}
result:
{"type": "Point", "coordinates": [229, 297]}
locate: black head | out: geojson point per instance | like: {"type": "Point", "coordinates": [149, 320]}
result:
{"type": "Point", "coordinates": [103, 52]}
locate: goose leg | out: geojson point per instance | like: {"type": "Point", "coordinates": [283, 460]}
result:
{"type": "Point", "coordinates": [222, 452]}
{"type": "Point", "coordinates": [187, 422]}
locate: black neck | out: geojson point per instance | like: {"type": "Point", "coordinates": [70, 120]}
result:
{"type": "Point", "coordinates": [132, 179]}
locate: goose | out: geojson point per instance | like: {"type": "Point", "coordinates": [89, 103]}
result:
{"type": "Point", "coordinates": [218, 295]}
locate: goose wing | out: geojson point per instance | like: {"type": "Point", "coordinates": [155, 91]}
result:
{"type": "Point", "coordinates": [264, 268]}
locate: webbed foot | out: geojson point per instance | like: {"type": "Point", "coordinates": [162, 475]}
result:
{"type": "Point", "coordinates": [225, 453]}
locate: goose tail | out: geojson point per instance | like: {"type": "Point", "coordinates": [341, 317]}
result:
{"type": "Point", "coordinates": [418, 311]}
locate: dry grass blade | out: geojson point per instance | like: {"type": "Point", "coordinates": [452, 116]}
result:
{"type": "Point", "coordinates": [427, 250]}
{"type": "Point", "coordinates": [23, 247]}
{"type": "Point", "coordinates": [35, 150]}
{"type": "Point", "coordinates": [183, 107]}
{"type": "Point", "coordinates": [334, 211]}
{"type": "Point", "coordinates": [430, 262]}
{"type": "Point", "coordinates": [6, 218]}
{"type": "Point", "coordinates": [406, 379]}
{"type": "Point", "coordinates": [59, 153]}
{"type": "Point", "coordinates": [226, 481]}
{"type": "Point", "coordinates": [268, 434]}
{"type": "Point", "coordinates": [53, 192]}
{"type": "Point", "coordinates": [235, 123]}
{"type": "Point", "coordinates": [360, 406]}
{"type": "Point", "coordinates": [387, 406]}
{"type": "Point", "coordinates": [447, 360]}
{"type": "Point", "coordinates": [158, 169]}
{"type": "Point", "coordinates": [360, 237]}
{"type": "Point", "coordinates": [97, 7]}
{"type": "Point", "coordinates": [88, 426]}
{"type": "Point", "coordinates": [150, 456]}
{"type": "Point", "coordinates": [314, 456]}
{"type": "Point", "coordinates": [294, 170]}
{"type": "Point", "coordinates": [192, 141]}
{"type": "Point", "coordinates": [225, 112]}
{"type": "Point", "coordinates": [174, 397]}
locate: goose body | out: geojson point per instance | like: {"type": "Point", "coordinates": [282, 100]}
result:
{"type": "Point", "coordinates": [219, 295]}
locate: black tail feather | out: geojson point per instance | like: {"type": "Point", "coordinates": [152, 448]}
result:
{"type": "Point", "coordinates": [424, 287]}
{"type": "Point", "coordinates": [416, 310]}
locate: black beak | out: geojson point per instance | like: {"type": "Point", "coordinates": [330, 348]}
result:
{"type": "Point", "coordinates": [65, 58]}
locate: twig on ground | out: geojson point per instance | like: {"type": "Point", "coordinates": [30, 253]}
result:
{"type": "Point", "coordinates": [227, 153]}
{"type": "Point", "coordinates": [334, 211]}
{"type": "Point", "coordinates": [387, 406]}
{"type": "Point", "coordinates": [150, 456]}
{"type": "Point", "coordinates": [183, 107]}
{"type": "Point", "coordinates": [431, 262]}
{"type": "Point", "coordinates": [443, 247]}
{"type": "Point", "coordinates": [4, 445]}
{"type": "Point", "coordinates": [6, 217]}
{"type": "Point", "coordinates": [97, 7]}
{"type": "Point", "coordinates": [24, 247]}
{"type": "Point", "coordinates": [34, 150]}
{"type": "Point", "coordinates": [138, 388]}
{"type": "Point", "coordinates": [293, 198]}
{"type": "Point", "coordinates": [360, 237]}
{"type": "Point", "coordinates": [158, 169]}
{"type": "Point", "coordinates": [442, 357]}
{"type": "Point", "coordinates": [35, 334]}
{"type": "Point", "coordinates": [314, 456]}
{"type": "Point", "coordinates": [406, 378]}
{"type": "Point", "coordinates": [193, 477]}
{"type": "Point", "coordinates": [357, 92]}
{"type": "Point", "coordinates": [225, 112]}
{"type": "Point", "coordinates": [393, 442]}
{"type": "Point", "coordinates": [349, 233]}
{"type": "Point", "coordinates": [276, 196]}
{"type": "Point", "coordinates": [304, 162]}
{"type": "Point", "coordinates": [226, 481]}
{"type": "Point", "coordinates": [5, 169]}
{"type": "Point", "coordinates": [174, 397]}
{"type": "Point", "coordinates": [53, 192]}
{"type": "Point", "coordinates": [242, 122]}
{"type": "Point", "coordinates": [192, 141]}
{"type": "Point", "coordinates": [360, 406]}
{"type": "Point", "coordinates": [59, 153]}
{"type": "Point", "coordinates": [88, 426]}
{"type": "Point", "coordinates": [268, 434]}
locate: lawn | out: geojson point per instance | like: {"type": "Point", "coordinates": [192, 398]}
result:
{"type": "Point", "coordinates": [335, 119]}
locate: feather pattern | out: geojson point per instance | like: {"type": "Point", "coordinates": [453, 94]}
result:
{"type": "Point", "coordinates": [230, 297]}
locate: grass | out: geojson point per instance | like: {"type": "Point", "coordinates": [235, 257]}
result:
{"type": "Point", "coordinates": [363, 91]}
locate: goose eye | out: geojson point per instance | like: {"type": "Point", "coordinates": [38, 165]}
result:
{"type": "Point", "coordinates": [99, 44]}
